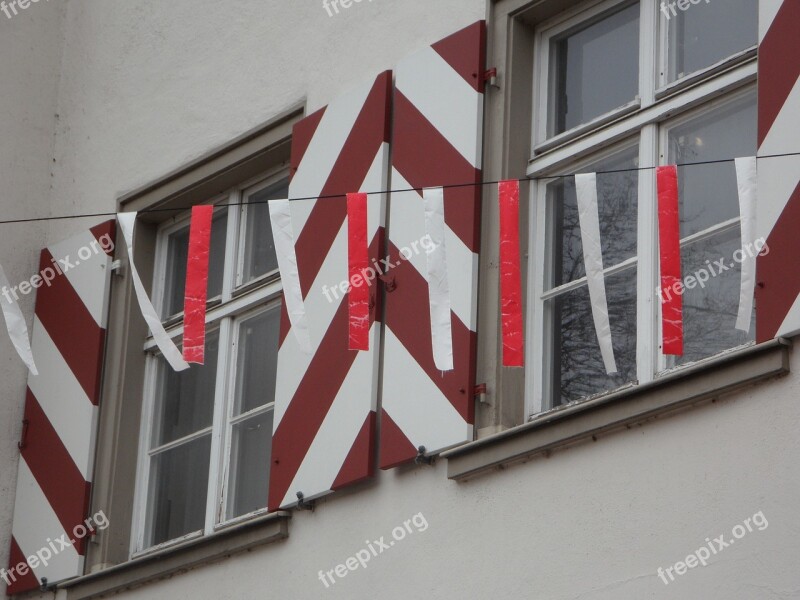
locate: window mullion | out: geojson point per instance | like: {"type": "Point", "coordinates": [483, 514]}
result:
{"type": "Point", "coordinates": [139, 524]}
{"type": "Point", "coordinates": [534, 375]}
{"type": "Point", "coordinates": [648, 52]}
{"type": "Point", "coordinates": [231, 245]}
{"type": "Point", "coordinates": [647, 305]}
{"type": "Point", "coordinates": [216, 464]}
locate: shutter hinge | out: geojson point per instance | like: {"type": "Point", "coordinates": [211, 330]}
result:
{"type": "Point", "coordinates": [490, 77]}
{"type": "Point", "coordinates": [118, 268]}
{"type": "Point", "coordinates": [481, 393]}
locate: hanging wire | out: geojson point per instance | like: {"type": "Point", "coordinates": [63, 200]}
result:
{"type": "Point", "coordinates": [396, 191]}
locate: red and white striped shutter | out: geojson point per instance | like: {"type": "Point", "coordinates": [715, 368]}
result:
{"type": "Point", "coordinates": [437, 140]}
{"type": "Point", "coordinates": [325, 403]}
{"type": "Point", "coordinates": [778, 289]}
{"type": "Point", "coordinates": [61, 408]}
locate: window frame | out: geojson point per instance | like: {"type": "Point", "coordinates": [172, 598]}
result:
{"type": "Point", "coordinates": [224, 313]}
{"type": "Point", "coordinates": [658, 108]}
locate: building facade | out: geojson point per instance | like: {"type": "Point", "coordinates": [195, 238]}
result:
{"type": "Point", "coordinates": [289, 465]}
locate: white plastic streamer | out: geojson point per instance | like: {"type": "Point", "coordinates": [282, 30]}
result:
{"type": "Point", "coordinates": [283, 233]}
{"type": "Point", "coordinates": [127, 223]}
{"type": "Point", "coordinates": [586, 188]}
{"type": "Point", "coordinates": [438, 283]}
{"type": "Point", "coordinates": [747, 178]}
{"type": "Point", "coordinates": [15, 322]}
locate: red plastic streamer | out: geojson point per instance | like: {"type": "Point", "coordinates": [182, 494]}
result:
{"type": "Point", "coordinates": [358, 262]}
{"type": "Point", "coordinates": [510, 275]}
{"type": "Point", "coordinates": [670, 250]}
{"type": "Point", "coordinates": [194, 307]}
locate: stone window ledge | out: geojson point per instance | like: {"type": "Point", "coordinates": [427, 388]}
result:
{"type": "Point", "coordinates": [180, 558]}
{"type": "Point", "coordinates": [577, 422]}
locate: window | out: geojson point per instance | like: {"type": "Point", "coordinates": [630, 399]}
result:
{"type": "Point", "coordinates": [207, 432]}
{"type": "Point", "coordinates": [603, 103]}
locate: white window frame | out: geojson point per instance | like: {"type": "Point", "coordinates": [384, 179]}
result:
{"type": "Point", "coordinates": [656, 108]}
{"type": "Point", "coordinates": [237, 303]}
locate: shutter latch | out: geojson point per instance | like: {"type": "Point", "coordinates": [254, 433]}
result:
{"type": "Point", "coordinates": [23, 443]}
{"type": "Point", "coordinates": [421, 458]}
{"type": "Point", "coordinates": [302, 504]}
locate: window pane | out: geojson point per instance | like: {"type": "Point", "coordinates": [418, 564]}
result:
{"type": "Point", "coordinates": [617, 197]}
{"type": "Point", "coordinates": [708, 193]}
{"type": "Point", "coordinates": [577, 369]}
{"type": "Point", "coordinates": [177, 253]}
{"type": "Point", "coordinates": [257, 360]}
{"type": "Point", "coordinates": [179, 487]}
{"type": "Point", "coordinates": [185, 400]}
{"type": "Point", "coordinates": [708, 32]}
{"type": "Point", "coordinates": [710, 309]}
{"type": "Point", "coordinates": [251, 455]}
{"type": "Point", "coordinates": [259, 250]}
{"type": "Point", "coordinates": [594, 69]}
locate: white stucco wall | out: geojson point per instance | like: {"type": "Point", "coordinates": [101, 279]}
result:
{"type": "Point", "coordinates": [30, 61]}
{"type": "Point", "coordinates": [147, 85]}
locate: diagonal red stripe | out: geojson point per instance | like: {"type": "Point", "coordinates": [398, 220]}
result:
{"type": "Point", "coordinates": [396, 448]}
{"type": "Point", "coordinates": [309, 406]}
{"type": "Point", "coordinates": [19, 583]}
{"type": "Point", "coordinates": [425, 158]}
{"type": "Point", "coordinates": [360, 462]}
{"type": "Point", "coordinates": [106, 234]}
{"type": "Point", "coordinates": [55, 472]}
{"type": "Point", "coordinates": [407, 314]}
{"type": "Point", "coordinates": [312, 401]}
{"type": "Point", "coordinates": [347, 175]}
{"type": "Point", "coordinates": [778, 280]}
{"type": "Point", "coordinates": [778, 66]}
{"type": "Point", "coordinates": [302, 134]}
{"type": "Point", "coordinates": [465, 51]}
{"type": "Point", "coordinates": [72, 328]}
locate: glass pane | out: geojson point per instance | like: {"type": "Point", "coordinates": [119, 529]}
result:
{"type": "Point", "coordinates": [617, 197]}
{"type": "Point", "coordinates": [577, 369]}
{"type": "Point", "coordinates": [705, 33]}
{"type": "Point", "coordinates": [594, 68]}
{"type": "Point", "coordinates": [185, 400]}
{"type": "Point", "coordinates": [178, 488]}
{"type": "Point", "coordinates": [257, 362]}
{"type": "Point", "coordinates": [251, 455]}
{"type": "Point", "coordinates": [259, 249]}
{"type": "Point", "coordinates": [708, 193]}
{"type": "Point", "coordinates": [177, 253]}
{"type": "Point", "coordinates": [711, 306]}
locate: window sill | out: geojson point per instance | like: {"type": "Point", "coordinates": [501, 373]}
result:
{"type": "Point", "coordinates": [183, 557]}
{"type": "Point", "coordinates": [578, 422]}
